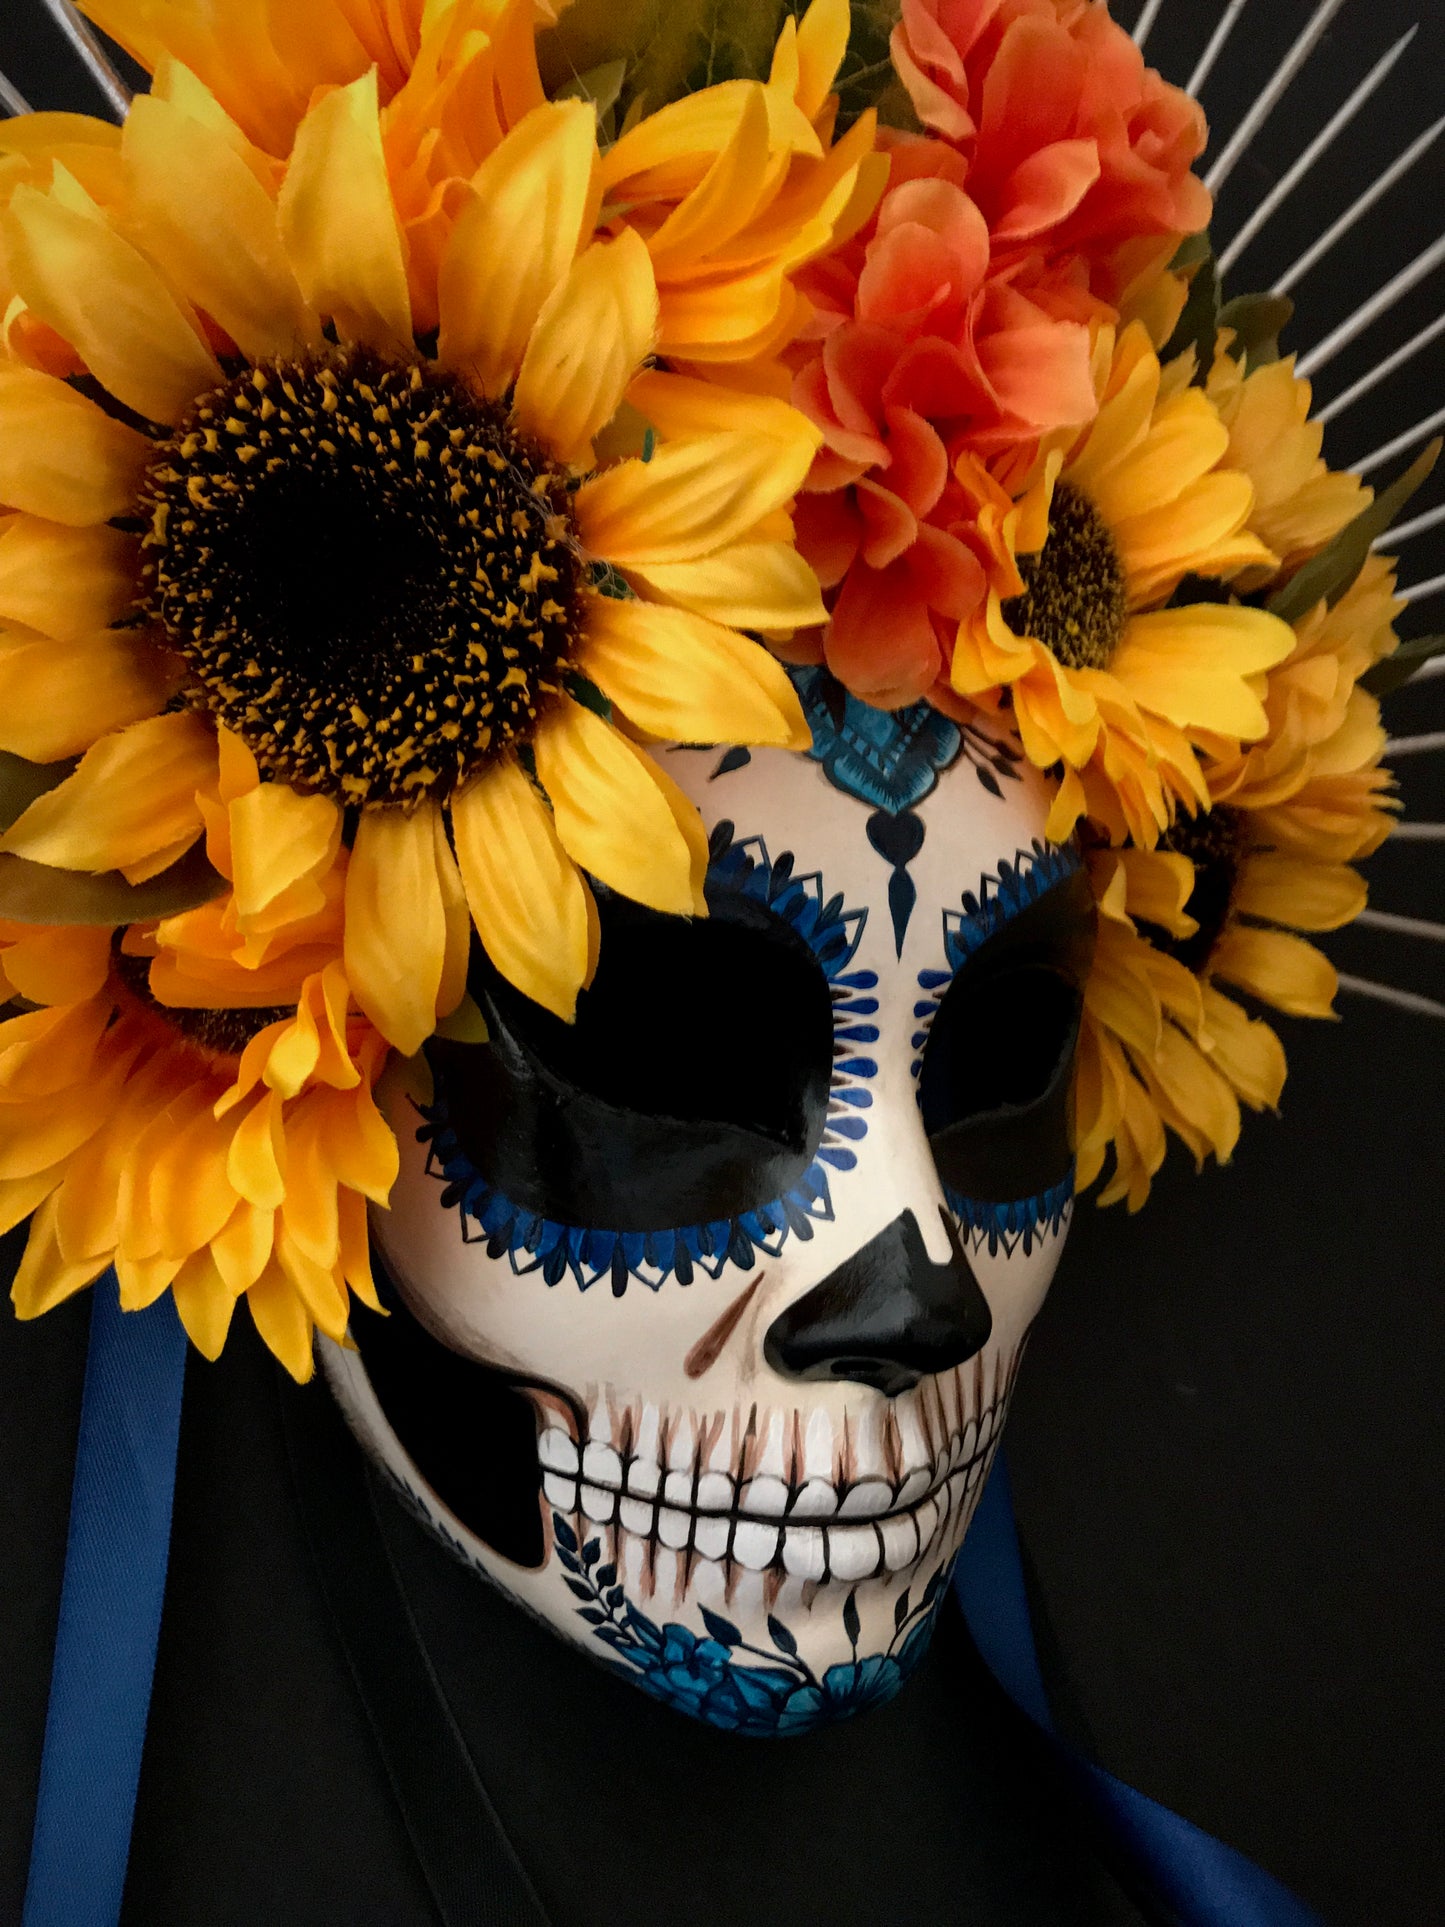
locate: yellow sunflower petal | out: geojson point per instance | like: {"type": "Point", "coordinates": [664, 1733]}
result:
{"type": "Point", "coordinates": [65, 582]}
{"type": "Point", "coordinates": [1197, 1091]}
{"type": "Point", "coordinates": [692, 499]}
{"type": "Point", "coordinates": [356, 1249]}
{"type": "Point", "coordinates": [213, 228]}
{"type": "Point", "coordinates": [279, 836]}
{"type": "Point", "coordinates": [677, 675]}
{"type": "Point", "coordinates": [515, 240]}
{"type": "Point", "coordinates": [133, 795]}
{"type": "Point", "coordinates": [256, 1159]}
{"type": "Point", "coordinates": [686, 816]}
{"type": "Point", "coordinates": [21, 1198]}
{"type": "Point", "coordinates": [1183, 442]}
{"type": "Point", "coordinates": [1278, 969]}
{"type": "Point", "coordinates": [45, 1278]}
{"type": "Point", "coordinates": [59, 698]}
{"type": "Point", "coordinates": [1246, 1050]}
{"type": "Point", "coordinates": [593, 334]}
{"type": "Point", "coordinates": [531, 907]}
{"type": "Point", "coordinates": [612, 818]}
{"type": "Point", "coordinates": [242, 1250]}
{"type": "Point", "coordinates": [102, 295]}
{"type": "Point", "coordinates": [63, 457]}
{"type": "Point", "coordinates": [283, 1321]}
{"type": "Point", "coordinates": [205, 1303]}
{"type": "Point", "coordinates": [396, 932]}
{"type": "Point", "coordinates": [65, 965]}
{"type": "Point", "coordinates": [1193, 666]}
{"type": "Point", "coordinates": [339, 222]}
{"type": "Point", "coordinates": [752, 585]}
{"type": "Point", "coordinates": [1310, 896]}
{"type": "Point", "coordinates": [316, 1285]}
{"type": "Point", "coordinates": [143, 1280]}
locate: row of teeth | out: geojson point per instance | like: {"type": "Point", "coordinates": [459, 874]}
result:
{"type": "Point", "coordinates": [814, 1531]}
{"type": "Point", "coordinates": [815, 1552]}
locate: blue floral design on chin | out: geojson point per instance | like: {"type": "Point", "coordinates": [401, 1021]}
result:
{"type": "Point", "coordinates": [704, 1675]}
{"type": "Point", "coordinates": [533, 1243]}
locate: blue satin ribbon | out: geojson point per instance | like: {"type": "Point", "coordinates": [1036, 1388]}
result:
{"type": "Point", "coordinates": [1203, 1882]}
{"type": "Point", "coordinates": [110, 1613]}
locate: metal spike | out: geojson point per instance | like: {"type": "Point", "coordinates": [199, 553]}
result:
{"type": "Point", "coordinates": [1401, 444]}
{"type": "Point", "coordinates": [94, 57]}
{"type": "Point", "coordinates": [1379, 304]}
{"type": "Point", "coordinates": [1418, 833]}
{"type": "Point", "coordinates": [1321, 145]}
{"type": "Point", "coordinates": [1402, 926]}
{"type": "Point", "coordinates": [1407, 531]}
{"type": "Point", "coordinates": [1298, 54]}
{"type": "Point", "coordinates": [11, 98]}
{"type": "Point", "coordinates": [1387, 994]}
{"type": "Point", "coordinates": [1333, 235]}
{"type": "Point", "coordinates": [1428, 745]}
{"type": "Point", "coordinates": [1428, 671]}
{"type": "Point", "coordinates": [1368, 383]}
{"type": "Point", "coordinates": [1423, 591]}
{"type": "Point", "coordinates": [1146, 21]}
{"type": "Point", "coordinates": [1216, 46]}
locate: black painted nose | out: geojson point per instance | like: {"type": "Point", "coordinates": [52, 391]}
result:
{"type": "Point", "coordinates": [887, 1317]}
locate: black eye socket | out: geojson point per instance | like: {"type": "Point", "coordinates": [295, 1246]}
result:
{"type": "Point", "coordinates": [692, 1086]}
{"type": "Point", "coordinates": [997, 1072]}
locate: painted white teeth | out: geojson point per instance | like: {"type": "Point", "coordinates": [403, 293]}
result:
{"type": "Point", "coordinates": [764, 1497]}
{"type": "Point", "coordinates": [755, 1546]}
{"type": "Point", "coordinates": [598, 1504]}
{"type": "Point", "coordinates": [914, 1487]}
{"type": "Point", "coordinates": [677, 1488]}
{"type": "Point", "coordinates": [561, 1493]}
{"type": "Point", "coordinates": [644, 1478]}
{"type": "Point", "coordinates": [601, 1466]}
{"type": "Point", "coordinates": [900, 1543]}
{"type": "Point", "coordinates": [853, 1552]}
{"type": "Point", "coordinates": [818, 1449]}
{"type": "Point", "coordinates": [714, 1492]}
{"type": "Point", "coordinates": [805, 1552]}
{"type": "Point", "coordinates": [710, 1536]}
{"type": "Point", "coordinates": [673, 1527]}
{"type": "Point", "coordinates": [557, 1451]}
{"type": "Point", "coordinates": [817, 1500]}
{"type": "Point", "coordinates": [865, 1500]}
{"type": "Point", "coordinates": [635, 1515]}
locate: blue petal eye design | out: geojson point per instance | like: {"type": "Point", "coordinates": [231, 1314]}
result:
{"type": "Point", "coordinates": [538, 1241]}
{"type": "Point", "coordinates": [998, 1031]}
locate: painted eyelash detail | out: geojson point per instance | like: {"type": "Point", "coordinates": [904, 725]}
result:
{"type": "Point", "coordinates": [1016, 887]}
{"type": "Point", "coordinates": [534, 1243]}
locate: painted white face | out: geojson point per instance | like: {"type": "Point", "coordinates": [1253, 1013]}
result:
{"type": "Point", "coordinates": [708, 1310]}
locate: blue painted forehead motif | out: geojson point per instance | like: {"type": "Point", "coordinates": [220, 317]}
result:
{"type": "Point", "coordinates": [892, 760]}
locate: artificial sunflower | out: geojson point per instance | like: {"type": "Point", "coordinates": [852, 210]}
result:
{"type": "Point", "coordinates": [219, 1155]}
{"type": "Point", "coordinates": [1227, 902]}
{"type": "Point", "coordinates": [393, 570]}
{"type": "Point", "coordinates": [1080, 636]}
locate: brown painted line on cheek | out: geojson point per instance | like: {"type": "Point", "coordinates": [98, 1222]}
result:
{"type": "Point", "coordinates": [706, 1352]}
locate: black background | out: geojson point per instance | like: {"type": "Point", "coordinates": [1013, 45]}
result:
{"type": "Point", "coordinates": [1226, 1447]}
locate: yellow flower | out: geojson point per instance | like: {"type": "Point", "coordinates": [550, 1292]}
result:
{"type": "Point", "coordinates": [1101, 676]}
{"type": "Point", "coordinates": [1227, 903]}
{"type": "Point", "coordinates": [736, 187]}
{"type": "Point", "coordinates": [1300, 505]}
{"type": "Point", "coordinates": [219, 1155]}
{"type": "Point", "coordinates": [398, 580]}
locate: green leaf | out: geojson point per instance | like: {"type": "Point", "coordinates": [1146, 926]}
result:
{"type": "Point", "coordinates": [602, 86]}
{"type": "Point", "coordinates": [36, 893]}
{"type": "Point", "coordinates": [1408, 660]}
{"type": "Point", "coordinates": [1333, 572]}
{"type": "Point", "coordinates": [1258, 321]}
{"type": "Point", "coordinates": [466, 1025]}
{"type": "Point", "coordinates": [586, 692]}
{"type": "Point", "coordinates": [868, 77]}
{"type": "Point", "coordinates": [21, 783]}
{"type": "Point", "coordinates": [1199, 323]}
{"type": "Point", "coordinates": [1193, 253]}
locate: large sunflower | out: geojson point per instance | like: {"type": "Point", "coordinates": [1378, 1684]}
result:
{"type": "Point", "coordinates": [214, 1154]}
{"type": "Point", "coordinates": [1226, 904]}
{"type": "Point", "coordinates": [389, 566]}
{"type": "Point", "coordinates": [1079, 636]}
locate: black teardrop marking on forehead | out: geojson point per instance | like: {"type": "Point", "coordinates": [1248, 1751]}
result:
{"type": "Point", "coordinates": [898, 840]}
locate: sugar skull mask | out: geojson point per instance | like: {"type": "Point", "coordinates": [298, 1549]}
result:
{"type": "Point", "coordinates": [707, 1309]}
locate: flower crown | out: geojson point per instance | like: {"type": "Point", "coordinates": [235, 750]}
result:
{"type": "Point", "coordinates": [645, 383]}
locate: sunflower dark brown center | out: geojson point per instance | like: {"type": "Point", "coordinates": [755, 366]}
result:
{"type": "Point", "coordinates": [372, 577]}
{"type": "Point", "coordinates": [1216, 843]}
{"type": "Point", "coordinates": [226, 1032]}
{"type": "Point", "coordinates": [1076, 601]}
